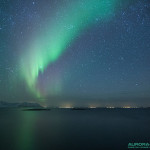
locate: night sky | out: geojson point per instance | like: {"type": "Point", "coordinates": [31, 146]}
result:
{"type": "Point", "coordinates": [75, 52]}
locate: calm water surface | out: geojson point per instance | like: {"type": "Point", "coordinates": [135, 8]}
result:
{"type": "Point", "coordinates": [66, 129]}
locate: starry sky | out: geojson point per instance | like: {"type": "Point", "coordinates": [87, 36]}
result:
{"type": "Point", "coordinates": [83, 52]}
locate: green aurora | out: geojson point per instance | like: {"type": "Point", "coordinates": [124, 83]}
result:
{"type": "Point", "coordinates": [63, 28]}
